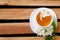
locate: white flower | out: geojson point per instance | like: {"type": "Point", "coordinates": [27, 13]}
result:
{"type": "Point", "coordinates": [45, 31]}
{"type": "Point", "coordinates": [42, 33]}
{"type": "Point", "coordinates": [49, 31]}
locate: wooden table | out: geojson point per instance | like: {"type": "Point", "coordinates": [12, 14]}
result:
{"type": "Point", "coordinates": [24, 14]}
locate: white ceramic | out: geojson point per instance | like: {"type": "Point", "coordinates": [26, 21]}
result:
{"type": "Point", "coordinates": [33, 23]}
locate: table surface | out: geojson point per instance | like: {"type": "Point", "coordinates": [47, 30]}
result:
{"type": "Point", "coordinates": [24, 14]}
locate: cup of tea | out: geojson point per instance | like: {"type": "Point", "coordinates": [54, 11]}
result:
{"type": "Point", "coordinates": [43, 21]}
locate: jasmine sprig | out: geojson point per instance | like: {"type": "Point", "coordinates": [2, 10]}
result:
{"type": "Point", "coordinates": [54, 28]}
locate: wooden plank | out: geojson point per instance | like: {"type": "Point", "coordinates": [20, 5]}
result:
{"type": "Point", "coordinates": [19, 28]}
{"type": "Point", "coordinates": [35, 2]}
{"type": "Point", "coordinates": [31, 2]}
{"type": "Point", "coordinates": [15, 28]}
{"type": "Point", "coordinates": [21, 13]}
{"type": "Point", "coordinates": [15, 13]}
{"type": "Point", "coordinates": [3, 2]}
{"type": "Point", "coordinates": [27, 38]}
{"type": "Point", "coordinates": [22, 38]}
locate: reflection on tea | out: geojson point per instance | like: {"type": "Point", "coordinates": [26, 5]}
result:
{"type": "Point", "coordinates": [43, 18]}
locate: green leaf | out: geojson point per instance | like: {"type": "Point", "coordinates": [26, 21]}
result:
{"type": "Point", "coordinates": [49, 38]}
{"type": "Point", "coordinates": [54, 25]}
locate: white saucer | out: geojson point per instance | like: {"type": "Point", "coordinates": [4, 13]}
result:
{"type": "Point", "coordinates": [33, 23]}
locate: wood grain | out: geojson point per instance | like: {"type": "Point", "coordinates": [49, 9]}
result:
{"type": "Point", "coordinates": [31, 2]}
{"type": "Point", "coordinates": [19, 28]}
{"type": "Point", "coordinates": [3, 2]}
{"type": "Point", "coordinates": [35, 3]}
{"type": "Point", "coordinates": [15, 28]}
{"type": "Point", "coordinates": [21, 13]}
{"type": "Point", "coordinates": [27, 38]}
